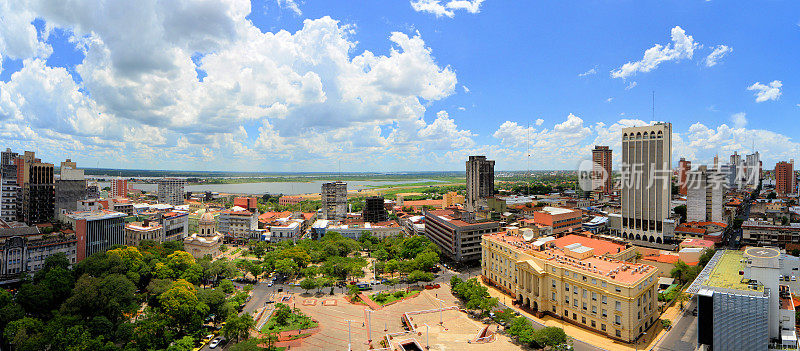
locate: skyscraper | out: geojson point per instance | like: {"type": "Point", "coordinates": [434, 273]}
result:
{"type": "Point", "coordinates": [8, 194]}
{"type": "Point", "coordinates": [373, 211]}
{"type": "Point", "coordinates": [70, 187]}
{"type": "Point", "coordinates": [601, 172]}
{"type": "Point", "coordinates": [480, 180]}
{"type": "Point", "coordinates": [171, 191]}
{"type": "Point", "coordinates": [119, 188]}
{"type": "Point", "coordinates": [706, 189]}
{"type": "Point", "coordinates": [784, 178]}
{"type": "Point", "coordinates": [752, 167]}
{"type": "Point", "coordinates": [646, 182]}
{"type": "Point", "coordinates": [684, 167]}
{"type": "Point", "coordinates": [334, 200]}
{"type": "Point", "coordinates": [36, 180]}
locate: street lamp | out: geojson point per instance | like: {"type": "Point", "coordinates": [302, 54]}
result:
{"type": "Point", "coordinates": [349, 337]}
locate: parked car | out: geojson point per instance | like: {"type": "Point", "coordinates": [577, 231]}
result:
{"type": "Point", "coordinates": [214, 343]}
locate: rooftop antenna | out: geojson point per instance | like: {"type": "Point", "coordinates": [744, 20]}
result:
{"type": "Point", "coordinates": [528, 159]}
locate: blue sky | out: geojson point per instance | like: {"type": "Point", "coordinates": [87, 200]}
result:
{"type": "Point", "coordinates": [282, 85]}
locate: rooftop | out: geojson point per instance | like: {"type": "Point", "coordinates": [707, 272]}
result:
{"type": "Point", "coordinates": [726, 273]}
{"type": "Point", "coordinates": [556, 210]}
{"type": "Point", "coordinates": [601, 247]}
{"type": "Point", "coordinates": [95, 215]}
{"type": "Point", "coordinates": [139, 226]}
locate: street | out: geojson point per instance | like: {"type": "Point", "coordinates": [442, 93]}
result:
{"type": "Point", "coordinates": [683, 335]}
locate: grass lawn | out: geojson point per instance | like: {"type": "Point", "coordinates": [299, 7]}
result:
{"type": "Point", "coordinates": [294, 322]}
{"type": "Point", "coordinates": [390, 297]}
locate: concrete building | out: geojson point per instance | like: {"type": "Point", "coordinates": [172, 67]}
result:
{"type": "Point", "coordinates": [769, 232]}
{"type": "Point", "coordinates": [205, 242]}
{"type": "Point", "coordinates": [601, 172]}
{"type": "Point", "coordinates": [171, 191]}
{"type": "Point", "coordinates": [706, 192]}
{"type": "Point", "coordinates": [97, 231]}
{"type": "Point", "coordinates": [576, 280]}
{"type": "Point", "coordinates": [290, 200]}
{"type": "Point", "coordinates": [374, 211]}
{"type": "Point", "coordinates": [742, 303]}
{"type": "Point", "coordinates": [457, 234]}
{"type": "Point", "coordinates": [380, 230]}
{"type": "Point", "coordinates": [37, 182]}
{"type": "Point", "coordinates": [119, 188]}
{"type": "Point", "coordinates": [70, 187]}
{"type": "Point", "coordinates": [684, 167]}
{"type": "Point", "coordinates": [24, 249]}
{"type": "Point", "coordinates": [784, 178]}
{"type": "Point", "coordinates": [646, 184]}
{"type": "Point", "coordinates": [452, 199]}
{"type": "Point", "coordinates": [135, 232]}
{"type": "Point", "coordinates": [334, 201]}
{"type": "Point", "coordinates": [752, 170]}
{"type": "Point", "coordinates": [238, 224]}
{"type": "Point", "coordinates": [480, 181]}
{"type": "Point", "coordinates": [247, 203]}
{"type": "Point", "coordinates": [176, 225]}
{"type": "Point", "coordinates": [557, 220]}
{"type": "Point", "coordinates": [9, 188]}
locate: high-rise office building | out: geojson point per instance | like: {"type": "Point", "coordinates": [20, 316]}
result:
{"type": "Point", "coordinates": [119, 188]}
{"type": "Point", "coordinates": [706, 190]}
{"type": "Point", "coordinates": [601, 169]}
{"type": "Point", "coordinates": [646, 182]}
{"type": "Point", "coordinates": [684, 167]}
{"type": "Point", "coordinates": [784, 178]}
{"type": "Point", "coordinates": [737, 167]}
{"type": "Point", "coordinates": [171, 191]}
{"type": "Point", "coordinates": [752, 170]}
{"type": "Point", "coordinates": [480, 180]}
{"type": "Point", "coordinates": [373, 211]}
{"type": "Point", "coordinates": [36, 180]}
{"type": "Point", "coordinates": [334, 200]}
{"type": "Point", "coordinates": [70, 187]}
{"type": "Point", "coordinates": [9, 188]}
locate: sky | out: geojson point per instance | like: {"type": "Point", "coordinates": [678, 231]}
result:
{"type": "Point", "coordinates": [400, 85]}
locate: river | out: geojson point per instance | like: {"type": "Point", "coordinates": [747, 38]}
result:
{"type": "Point", "coordinates": [286, 188]}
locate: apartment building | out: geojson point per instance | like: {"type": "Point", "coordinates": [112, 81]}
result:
{"type": "Point", "coordinates": [684, 167]}
{"type": "Point", "coordinates": [9, 188]}
{"type": "Point", "coordinates": [576, 280]}
{"type": "Point", "coordinates": [290, 200]}
{"type": "Point", "coordinates": [135, 232]}
{"type": "Point", "coordinates": [96, 231]}
{"type": "Point", "coordinates": [706, 191]}
{"type": "Point", "coordinates": [334, 201]}
{"type": "Point", "coordinates": [601, 169]}
{"type": "Point", "coordinates": [247, 203]}
{"type": "Point", "coordinates": [70, 187]}
{"type": "Point", "coordinates": [451, 199]}
{"type": "Point", "coordinates": [119, 188]}
{"type": "Point", "coordinates": [769, 232]}
{"type": "Point", "coordinates": [784, 178]}
{"type": "Point", "coordinates": [37, 182]}
{"type": "Point", "coordinates": [457, 233]}
{"type": "Point", "coordinates": [646, 182]}
{"type": "Point", "coordinates": [171, 191]}
{"type": "Point", "coordinates": [743, 303]}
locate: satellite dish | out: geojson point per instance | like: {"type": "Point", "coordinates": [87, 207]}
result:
{"type": "Point", "coordinates": [527, 234]}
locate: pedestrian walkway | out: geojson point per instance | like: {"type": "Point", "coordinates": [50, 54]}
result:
{"type": "Point", "coordinates": [367, 301]}
{"type": "Point", "coordinates": [588, 336]}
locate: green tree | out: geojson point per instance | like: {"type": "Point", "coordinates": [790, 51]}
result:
{"type": "Point", "coordinates": [238, 327]}
{"type": "Point", "coordinates": [226, 286]}
{"type": "Point", "coordinates": [180, 303]}
{"type": "Point", "coordinates": [426, 260]}
{"type": "Point", "coordinates": [550, 337]}
{"type": "Point", "coordinates": [26, 334]}
{"type": "Point", "coordinates": [185, 343]}
{"type": "Point", "coordinates": [308, 284]}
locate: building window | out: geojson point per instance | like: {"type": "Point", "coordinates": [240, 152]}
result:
{"type": "Point", "coordinates": [584, 293]}
{"type": "Point", "coordinates": [594, 281]}
{"type": "Point", "coordinates": [594, 309]}
{"type": "Point", "coordinates": [619, 334]}
{"type": "Point", "coordinates": [566, 286]}
{"type": "Point", "coordinates": [618, 306]}
{"type": "Point", "coordinates": [593, 325]}
{"type": "Point", "coordinates": [617, 289]}
{"type": "Point", "coordinates": [602, 327]}
{"type": "Point", "coordinates": [603, 283]}
{"type": "Point", "coordinates": [583, 320]}
{"type": "Point", "coordinates": [617, 320]}
{"type": "Point", "coordinates": [594, 296]}
{"type": "Point", "coordinates": [604, 299]}
{"type": "Point", "coordinates": [574, 316]}
{"type": "Point", "coordinates": [575, 302]}
{"type": "Point", "coordinates": [554, 296]}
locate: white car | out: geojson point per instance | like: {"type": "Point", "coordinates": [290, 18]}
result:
{"type": "Point", "coordinates": [214, 343]}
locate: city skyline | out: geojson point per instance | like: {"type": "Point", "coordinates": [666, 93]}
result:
{"type": "Point", "coordinates": [392, 86]}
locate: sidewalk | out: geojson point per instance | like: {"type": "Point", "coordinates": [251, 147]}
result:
{"type": "Point", "coordinates": [587, 336]}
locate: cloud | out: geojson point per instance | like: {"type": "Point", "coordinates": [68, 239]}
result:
{"type": "Point", "coordinates": [290, 5]}
{"type": "Point", "coordinates": [466, 90]}
{"type": "Point", "coordinates": [539, 121]}
{"type": "Point", "coordinates": [610, 99]}
{"type": "Point", "coordinates": [631, 85]}
{"type": "Point", "coordinates": [739, 120]}
{"type": "Point", "coordinates": [681, 47]}
{"type": "Point", "coordinates": [766, 92]}
{"type": "Point", "coordinates": [590, 72]}
{"type": "Point", "coordinates": [447, 8]}
{"type": "Point", "coordinates": [717, 54]}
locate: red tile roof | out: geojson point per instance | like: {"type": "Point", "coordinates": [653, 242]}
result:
{"type": "Point", "coordinates": [671, 259]}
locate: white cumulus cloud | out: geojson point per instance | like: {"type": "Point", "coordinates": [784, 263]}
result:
{"type": "Point", "coordinates": [681, 47]}
{"type": "Point", "coordinates": [764, 92]}
{"type": "Point", "coordinates": [446, 8]}
{"type": "Point", "coordinates": [290, 5]}
{"type": "Point", "coordinates": [739, 119]}
{"type": "Point", "coordinates": [717, 54]}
